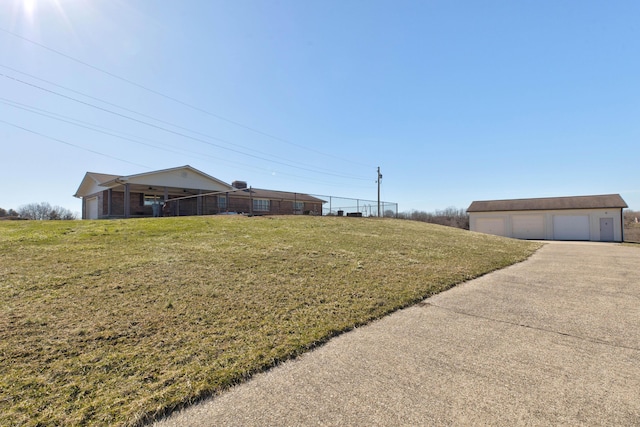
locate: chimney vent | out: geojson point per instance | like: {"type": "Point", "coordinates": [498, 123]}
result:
{"type": "Point", "coordinates": [240, 185]}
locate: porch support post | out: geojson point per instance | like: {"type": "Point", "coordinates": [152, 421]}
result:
{"type": "Point", "coordinates": [127, 201]}
{"type": "Point", "coordinates": [109, 200]}
{"type": "Point", "coordinates": [250, 202]}
{"type": "Point", "coordinates": [166, 208]}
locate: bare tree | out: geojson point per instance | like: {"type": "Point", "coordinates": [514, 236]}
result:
{"type": "Point", "coordinates": [631, 217]}
{"type": "Point", "coordinates": [389, 213]}
{"type": "Point", "coordinates": [451, 217]}
{"type": "Point", "coordinates": [44, 211]}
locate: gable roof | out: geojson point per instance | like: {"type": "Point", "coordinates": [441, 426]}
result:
{"type": "Point", "coordinates": [141, 176]}
{"type": "Point", "coordinates": [95, 182]}
{"type": "Point", "coordinates": [91, 181]}
{"type": "Point", "coordinates": [101, 177]}
{"type": "Point", "coordinates": [549, 203]}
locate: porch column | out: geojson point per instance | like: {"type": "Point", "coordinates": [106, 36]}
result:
{"type": "Point", "coordinates": [109, 192]}
{"type": "Point", "coordinates": [250, 202]}
{"type": "Point", "coordinates": [166, 208]}
{"type": "Point", "coordinates": [127, 201]}
{"type": "Point", "coordinates": [199, 203]}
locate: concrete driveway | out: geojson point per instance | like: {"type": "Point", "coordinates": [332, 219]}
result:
{"type": "Point", "coordinates": [554, 340]}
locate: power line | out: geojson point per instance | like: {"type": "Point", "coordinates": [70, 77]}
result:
{"type": "Point", "coordinates": [174, 132]}
{"type": "Point", "coordinates": [72, 145]}
{"type": "Point", "coordinates": [308, 167]}
{"type": "Point", "coordinates": [155, 92]}
{"type": "Point", "coordinates": [79, 123]}
{"type": "Point", "coordinates": [109, 132]}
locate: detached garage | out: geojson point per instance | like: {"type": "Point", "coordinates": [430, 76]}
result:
{"type": "Point", "coordinates": [594, 218]}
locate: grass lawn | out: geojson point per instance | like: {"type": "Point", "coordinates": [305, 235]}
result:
{"type": "Point", "coordinates": [118, 322]}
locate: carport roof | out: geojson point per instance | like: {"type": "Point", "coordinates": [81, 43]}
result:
{"type": "Point", "coordinates": [549, 203]}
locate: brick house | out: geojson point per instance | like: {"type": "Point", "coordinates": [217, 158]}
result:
{"type": "Point", "coordinates": [183, 191]}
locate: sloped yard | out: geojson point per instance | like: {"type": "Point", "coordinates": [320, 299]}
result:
{"type": "Point", "coordinates": [117, 322]}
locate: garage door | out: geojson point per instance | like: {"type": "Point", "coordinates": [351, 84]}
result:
{"type": "Point", "coordinates": [92, 208]}
{"type": "Point", "coordinates": [490, 226]}
{"type": "Point", "coordinates": [571, 227]}
{"type": "Point", "coordinates": [528, 226]}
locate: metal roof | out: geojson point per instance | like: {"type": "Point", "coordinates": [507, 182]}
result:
{"type": "Point", "coordinates": [549, 203]}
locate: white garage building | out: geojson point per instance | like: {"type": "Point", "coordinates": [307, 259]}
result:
{"type": "Point", "coordinates": [595, 218]}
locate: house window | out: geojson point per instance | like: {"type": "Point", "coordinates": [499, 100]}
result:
{"type": "Point", "coordinates": [222, 202]}
{"type": "Point", "coordinates": [150, 199]}
{"type": "Point", "coordinates": [261, 205]}
{"type": "Point", "coordinates": [298, 207]}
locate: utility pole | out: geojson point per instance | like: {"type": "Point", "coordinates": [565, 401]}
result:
{"type": "Point", "coordinates": [379, 179]}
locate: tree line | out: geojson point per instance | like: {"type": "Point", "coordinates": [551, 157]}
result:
{"type": "Point", "coordinates": [451, 217]}
{"type": "Point", "coordinates": [38, 211]}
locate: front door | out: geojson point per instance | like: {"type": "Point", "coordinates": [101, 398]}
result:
{"type": "Point", "coordinates": [606, 229]}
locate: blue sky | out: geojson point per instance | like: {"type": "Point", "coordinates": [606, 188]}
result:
{"type": "Point", "coordinates": [455, 100]}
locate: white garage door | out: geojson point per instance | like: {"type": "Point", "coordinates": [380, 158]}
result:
{"type": "Point", "coordinates": [92, 208]}
{"type": "Point", "coordinates": [490, 226]}
{"type": "Point", "coordinates": [528, 226]}
{"type": "Point", "coordinates": [571, 227]}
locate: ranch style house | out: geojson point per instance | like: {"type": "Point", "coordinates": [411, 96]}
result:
{"type": "Point", "coordinates": [183, 191]}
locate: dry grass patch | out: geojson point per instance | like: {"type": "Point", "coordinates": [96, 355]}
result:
{"type": "Point", "coordinates": [632, 233]}
{"type": "Point", "coordinates": [118, 322]}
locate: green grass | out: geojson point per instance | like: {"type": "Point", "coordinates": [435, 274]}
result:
{"type": "Point", "coordinates": [118, 322]}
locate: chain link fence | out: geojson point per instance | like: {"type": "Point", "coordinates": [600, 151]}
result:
{"type": "Point", "coordinates": [255, 203]}
{"type": "Point", "coordinates": [343, 206]}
